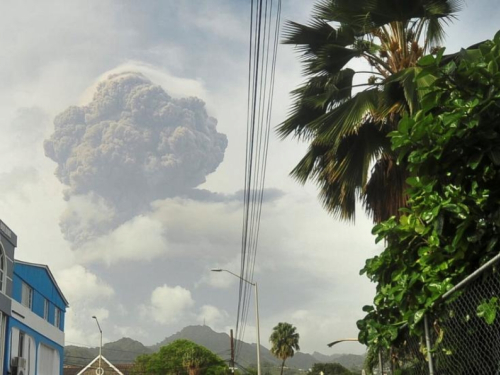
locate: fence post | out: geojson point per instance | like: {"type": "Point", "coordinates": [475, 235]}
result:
{"type": "Point", "coordinates": [380, 363]}
{"type": "Point", "coordinates": [428, 344]}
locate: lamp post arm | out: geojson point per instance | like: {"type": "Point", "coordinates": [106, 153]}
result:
{"type": "Point", "coordinates": [239, 277]}
{"type": "Point", "coordinates": [341, 340]}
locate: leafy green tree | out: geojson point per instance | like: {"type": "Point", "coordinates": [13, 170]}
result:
{"type": "Point", "coordinates": [284, 341]}
{"type": "Point", "coordinates": [181, 357]}
{"type": "Point", "coordinates": [329, 369]}
{"type": "Point", "coordinates": [451, 148]}
{"type": "Point", "coordinates": [349, 156]}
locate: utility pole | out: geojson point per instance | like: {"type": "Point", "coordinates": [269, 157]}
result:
{"type": "Point", "coordinates": [232, 352]}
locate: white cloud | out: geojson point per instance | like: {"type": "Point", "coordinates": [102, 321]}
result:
{"type": "Point", "coordinates": [167, 304]}
{"type": "Point", "coordinates": [86, 294]}
{"type": "Point", "coordinates": [221, 280]}
{"type": "Point", "coordinates": [130, 331]}
{"type": "Point", "coordinates": [140, 239]}
{"type": "Point", "coordinates": [77, 283]}
{"type": "Point", "coordinates": [86, 217]}
{"type": "Point", "coordinates": [212, 316]}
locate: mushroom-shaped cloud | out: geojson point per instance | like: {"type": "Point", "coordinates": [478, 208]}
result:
{"type": "Point", "coordinates": [133, 144]}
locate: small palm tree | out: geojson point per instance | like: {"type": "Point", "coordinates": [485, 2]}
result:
{"type": "Point", "coordinates": [284, 341]}
{"type": "Point", "coordinates": [346, 121]}
{"type": "Point", "coordinates": [193, 361]}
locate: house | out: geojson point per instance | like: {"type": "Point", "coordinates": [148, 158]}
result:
{"type": "Point", "coordinates": [8, 243]}
{"type": "Point", "coordinates": [35, 330]}
{"type": "Point", "coordinates": [106, 367]}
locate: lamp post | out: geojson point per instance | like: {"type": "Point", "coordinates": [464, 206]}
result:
{"type": "Point", "coordinates": [100, 346]}
{"type": "Point", "coordinates": [256, 311]}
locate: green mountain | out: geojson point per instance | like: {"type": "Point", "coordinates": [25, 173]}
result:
{"type": "Point", "coordinates": [126, 350]}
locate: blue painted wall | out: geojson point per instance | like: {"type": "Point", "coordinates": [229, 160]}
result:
{"type": "Point", "coordinates": [43, 288]}
{"type": "Point", "coordinates": [39, 339]}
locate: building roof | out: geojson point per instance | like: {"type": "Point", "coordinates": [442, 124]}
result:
{"type": "Point", "coordinates": [50, 275]}
{"type": "Point", "coordinates": [94, 364]}
{"type": "Point", "coordinates": [124, 368]}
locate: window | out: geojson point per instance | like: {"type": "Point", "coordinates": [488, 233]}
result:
{"type": "Point", "coordinates": [57, 318]}
{"type": "Point", "coordinates": [46, 309]}
{"type": "Point", "coordinates": [27, 296]}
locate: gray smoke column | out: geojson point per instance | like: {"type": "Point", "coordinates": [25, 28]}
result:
{"type": "Point", "coordinates": [133, 144]}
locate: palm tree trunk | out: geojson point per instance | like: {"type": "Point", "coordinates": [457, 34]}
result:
{"type": "Point", "coordinates": [282, 366]}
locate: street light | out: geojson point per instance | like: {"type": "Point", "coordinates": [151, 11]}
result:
{"type": "Point", "coordinates": [256, 311]}
{"type": "Point", "coordinates": [380, 364]}
{"type": "Point", "coordinates": [100, 347]}
{"type": "Point", "coordinates": [341, 340]}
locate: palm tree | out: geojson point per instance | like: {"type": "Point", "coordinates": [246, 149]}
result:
{"type": "Point", "coordinates": [284, 341]}
{"type": "Point", "coordinates": [347, 124]}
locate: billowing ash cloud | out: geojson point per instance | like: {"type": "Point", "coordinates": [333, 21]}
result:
{"type": "Point", "coordinates": [131, 145]}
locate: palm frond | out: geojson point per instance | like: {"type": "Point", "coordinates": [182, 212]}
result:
{"type": "Point", "coordinates": [316, 35]}
{"type": "Point", "coordinates": [330, 59]}
{"type": "Point", "coordinates": [344, 12]}
{"type": "Point", "coordinates": [341, 172]}
{"type": "Point", "coordinates": [313, 99]}
{"type": "Point", "coordinates": [345, 118]}
{"type": "Point", "coordinates": [334, 88]}
{"type": "Point", "coordinates": [392, 35]}
{"type": "Point", "coordinates": [310, 165]}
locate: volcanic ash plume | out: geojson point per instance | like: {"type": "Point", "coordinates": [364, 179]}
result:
{"type": "Point", "coordinates": [131, 145]}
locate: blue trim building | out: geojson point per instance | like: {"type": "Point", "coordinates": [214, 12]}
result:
{"type": "Point", "coordinates": [35, 331]}
{"type": "Point", "coordinates": [8, 243]}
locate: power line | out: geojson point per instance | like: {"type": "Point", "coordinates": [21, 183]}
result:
{"type": "Point", "coordinates": [265, 19]}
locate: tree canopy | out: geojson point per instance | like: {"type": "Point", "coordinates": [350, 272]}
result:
{"type": "Point", "coordinates": [346, 119]}
{"type": "Point", "coordinates": [451, 226]}
{"type": "Point", "coordinates": [181, 357]}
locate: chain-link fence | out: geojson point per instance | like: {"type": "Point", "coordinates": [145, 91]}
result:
{"type": "Point", "coordinates": [462, 338]}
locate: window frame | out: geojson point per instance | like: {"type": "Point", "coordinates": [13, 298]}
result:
{"type": "Point", "coordinates": [22, 339]}
{"type": "Point", "coordinates": [26, 287]}
{"type": "Point", "coordinates": [46, 306]}
{"type": "Point", "coordinates": [57, 317]}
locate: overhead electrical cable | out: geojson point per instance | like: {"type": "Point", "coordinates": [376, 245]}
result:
{"type": "Point", "coordinates": [265, 17]}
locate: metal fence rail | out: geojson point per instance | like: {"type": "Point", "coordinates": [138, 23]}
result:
{"type": "Point", "coordinates": [462, 338]}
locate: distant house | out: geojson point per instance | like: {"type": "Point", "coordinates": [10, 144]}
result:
{"type": "Point", "coordinates": [107, 368]}
{"type": "Point", "coordinates": [8, 243]}
{"type": "Point", "coordinates": [36, 328]}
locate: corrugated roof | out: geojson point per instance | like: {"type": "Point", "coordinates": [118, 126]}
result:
{"type": "Point", "coordinates": [50, 275]}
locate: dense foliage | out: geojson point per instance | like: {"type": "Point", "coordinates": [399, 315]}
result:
{"type": "Point", "coordinates": [285, 341]}
{"type": "Point", "coordinates": [451, 226]}
{"type": "Point", "coordinates": [181, 357]}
